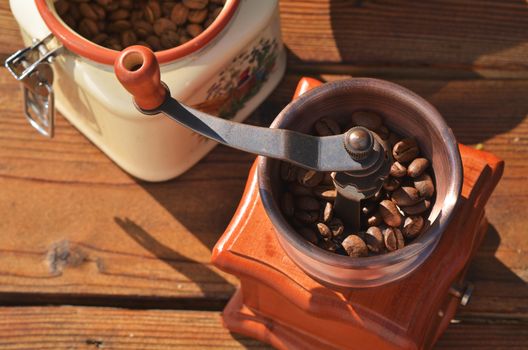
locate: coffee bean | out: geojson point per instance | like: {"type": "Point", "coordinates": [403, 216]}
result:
{"type": "Point", "coordinates": [149, 15]}
{"type": "Point", "coordinates": [327, 179]}
{"type": "Point", "coordinates": [121, 18]}
{"type": "Point", "coordinates": [288, 171]}
{"type": "Point", "coordinates": [400, 241]}
{"type": "Point", "coordinates": [329, 245]}
{"type": "Point", "coordinates": [75, 13]}
{"type": "Point", "coordinates": [118, 26]}
{"type": "Point", "coordinates": [184, 37]}
{"type": "Point", "coordinates": [398, 170]}
{"type": "Point", "coordinates": [128, 38]}
{"type": "Point", "coordinates": [308, 234]}
{"type": "Point", "coordinates": [197, 16]}
{"type": "Point", "coordinates": [412, 226]}
{"type": "Point", "coordinates": [375, 219]}
{"type": "Point", "coordinates": [119, 14]}
{"type": "Point", "coordinates": [88, 28]}
{"type": "Point", "coordinates": [299, 190]}
{"type": "Point", "coordinates": [194, 29]}
{"type": "Point", "coordinates": [390, 240]}
{"type": "Point", "coordinates": [327, 127]}
{"type": "Point", "coordinates": [143, 28]}
{"type": "Point", "coordinates": [327, 193]}
{"type": "Point", "coordinates": [309, 178]}
{"type": "Point", "coordinates": [391, 184]}
{"type": "Point", "coordinates": [307, 203]}
{"type": "Point", "coordinates": [424, 185]}
{"type": "Point", "coordinates": [111, 44]}
{"type": "Point", "coordinates": [62, 7]}
{"type": "Point", "coordinates": [101, 26]}
{"type": "Point", "coordinates": [287, 204]}
{"type": "Point", "coordinates": [328, 212]}
{"type": "Point", "coordinates": [406, 195]}
{"type": "Point", "coordinates": [383, 132]}
{"type": "Point", "coordinates": [169, 39]}
{"type": "Point", "coordinates": [405, 150]}
{"type": "Point", "coordinates": [195, 4]}
{"type": "Point", "coordinates": [179, 14]}
{"type": "Point", "coordinates": [390, 213]}
{"type": "Point", "coordinates": [154, 42]}
{"type": "Point", "coordinates": [417, 208]}
{"type": "Point", "coordinates": [112, 6]}
{"type": "Point", "coordinates": [166, 8]}
{"type": "Point", "coordinates": [324, 230]}
{"type": "Point", "coordinates": [126, 4]}
{"type": "Point", "coordinates": [337, 226]}
{"type": "Point", "coordinates": [367, 119]}
{"type": "Point", "coordinates": [417, 167]}
{"type": "Point", "coordinates": [155, 9]}
{"type": "Point", "coordinates": [162, 25]}
{"type": "Point", "coordinates": [355, 246]}
{"type": "Point", "coordinates": [307, 217]}
{"type": "Point", "coordinates": [87, 11]}
{"type": "Point", "coordinates": [70, 22]}
{"type": "Point", "coordinates": [100, 38]}
{"type": "Point", "coordinates": [374, 239]}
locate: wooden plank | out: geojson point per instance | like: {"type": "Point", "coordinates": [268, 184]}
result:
{"type": "Point", "coordinates": [487, 38]}
{"type": "Point", "coordinates": [379, 38]}
{"type": "Point", "coordinates": [69, 327]}
{"type": "Point", "coordinates": [10, 39]}
{"type": "Point", "coordinates": [484, 337]}
{"type": "Point", "coordinates": [99, 328]}
{"type": "Point", "coordinates": [76, 228]}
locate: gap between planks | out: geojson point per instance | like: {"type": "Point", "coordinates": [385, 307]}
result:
{"type": "Point", "coordinates": [92, 328]}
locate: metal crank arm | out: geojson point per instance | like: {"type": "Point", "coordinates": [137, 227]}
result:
{"type": "Point", "coordinates": [311, 152]}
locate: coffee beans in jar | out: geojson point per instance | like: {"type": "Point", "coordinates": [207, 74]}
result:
{"type": "Point", "coordinates": [391, 219]}
{"type": "Point", "coordinates": [156, 24]}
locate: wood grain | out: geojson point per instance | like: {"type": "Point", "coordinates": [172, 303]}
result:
{"type": "Point", "coordinates": [131, 239]}
{"type": "Point", "coordinates": [445, 38]}
{"type": "Point", "coordinates": [109, 328]}
{"type": "Point", "coordinates": [10, 40]}
{"type": "Point", "coordinates": [76, 229]}
{"type": "Point", "coordinates": [449, 36]}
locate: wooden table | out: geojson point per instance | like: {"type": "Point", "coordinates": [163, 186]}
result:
{"type": "Point", "coordinates": [92, 258]}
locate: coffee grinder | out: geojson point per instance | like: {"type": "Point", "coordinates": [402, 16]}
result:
{"type": "Point", "coordinates": [294, 295]}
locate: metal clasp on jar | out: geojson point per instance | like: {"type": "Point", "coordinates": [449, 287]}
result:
{"type": "Point", "coordinates": [32, 67]}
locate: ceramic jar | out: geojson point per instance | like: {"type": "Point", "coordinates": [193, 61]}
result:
{"type": "Point", "coordinates": [226, 71]}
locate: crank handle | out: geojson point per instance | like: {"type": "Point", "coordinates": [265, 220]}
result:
{"type": "Point", "coordinates": [356, 151]}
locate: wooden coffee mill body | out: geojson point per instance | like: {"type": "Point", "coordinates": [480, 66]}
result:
{"type": "Point", "coordinates": [279, 304]}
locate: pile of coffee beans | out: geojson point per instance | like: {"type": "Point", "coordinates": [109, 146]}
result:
{"type": "Point", "coordinates": [392, 218]}
{"type": "Point", "coordinates": [159, 25]}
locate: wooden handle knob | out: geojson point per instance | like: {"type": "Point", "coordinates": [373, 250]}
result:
{"type": "Point", "coordinates": [137, 69]}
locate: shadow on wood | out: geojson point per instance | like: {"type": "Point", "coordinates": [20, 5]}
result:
{"type": "Point", "coordinates": [168, 255]}
{"type": "Point", "coordinates": [491, 276]}
{"type": "Point", "coordinates": [412, 40]}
